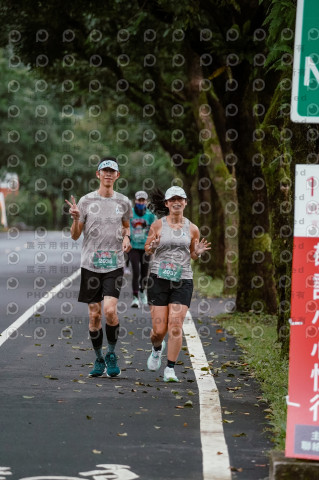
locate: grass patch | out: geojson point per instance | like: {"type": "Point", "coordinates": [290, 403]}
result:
{"type": "Point", "coordinates": [257, 337]}
{"type": "Point", "coordinates": [208, 286]}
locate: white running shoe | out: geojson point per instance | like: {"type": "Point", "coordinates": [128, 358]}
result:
{"type": "Point", "coordinates": [143, 297]}
{"type": "Point", "coordinates": [155, 358]}
{"type": "Point", "coordinates": [169, 375]}
{"type": "Point", "coordinates": [135, 303]}
{"type": "Point", "coordinates": [127, 271]}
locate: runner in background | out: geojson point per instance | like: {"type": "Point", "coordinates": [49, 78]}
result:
{"type": "Point", "coordinates": [140, 226]}
{"type": "Point", "coordinates": [103, 217]}
{"type": "Point", "coordinates": [174, 241]}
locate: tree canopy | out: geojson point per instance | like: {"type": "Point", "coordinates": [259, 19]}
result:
{"type": "Point", "coordinates": [206, 82]}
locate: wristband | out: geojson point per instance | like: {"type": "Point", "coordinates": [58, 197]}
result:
{"type": "Point", "coordinates": [126, 235]}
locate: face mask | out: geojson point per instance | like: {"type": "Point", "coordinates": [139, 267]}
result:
{"type": "Point", "coordinates": [140, 209]}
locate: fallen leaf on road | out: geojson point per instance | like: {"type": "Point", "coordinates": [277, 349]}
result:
{"type": "Point", "coordinates": [189, 403]}
{"type": "Point", "coordinates": [239, 435]}
{"type": "Point", "coordinates": [97, 452]}
{"type": "Point", "coordinates": [122, 434]}
{"type": "Point", "coordinates": [26, 396]}
{"type": "Point", "coordinates": [234, 469]}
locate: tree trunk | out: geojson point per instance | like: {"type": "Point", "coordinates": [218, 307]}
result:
{"type": "Point", "coordinates": [219, 175]}
{"type": "Point", "coordinates": [256, 286]}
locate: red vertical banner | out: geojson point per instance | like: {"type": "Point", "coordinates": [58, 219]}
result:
{"type": "Point", "coordinates": [302, 437]}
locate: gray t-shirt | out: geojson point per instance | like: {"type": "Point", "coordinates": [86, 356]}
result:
{"type": "Point", "coordinates": [102, 230]}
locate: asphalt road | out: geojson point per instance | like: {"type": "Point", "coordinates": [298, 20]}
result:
{"type": "Point", "coordinates": [55, 421]}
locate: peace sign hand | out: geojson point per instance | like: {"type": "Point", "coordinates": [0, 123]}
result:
{"type": "Point", "coordinates": [74, 211]}
{"type": "Point", "coordinates": [155, 242]}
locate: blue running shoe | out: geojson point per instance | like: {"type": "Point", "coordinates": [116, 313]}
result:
{"type": "Point", "coordinates": [99, 368]}
{"type": "Point", "coordinates": [112, 368]}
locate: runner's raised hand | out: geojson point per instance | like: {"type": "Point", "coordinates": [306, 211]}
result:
{"type": "Point", "coordinates": [74, 211]}
{"type": "Point", "coordinates": [202, 246]}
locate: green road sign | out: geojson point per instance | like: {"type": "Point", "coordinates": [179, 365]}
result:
{"type": "Point", "coordinates": [305, 80]}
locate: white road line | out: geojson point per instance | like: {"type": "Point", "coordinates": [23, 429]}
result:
{"type": "Point", "coordinates": [32, 310]}
{"type": "Point", "coordinates": [216, 464]}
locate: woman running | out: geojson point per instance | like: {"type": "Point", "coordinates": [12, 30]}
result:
{"type": "Point", "coordinates": [174, 241]}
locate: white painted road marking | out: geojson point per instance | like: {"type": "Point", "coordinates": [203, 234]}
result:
{"type": "Point", "coordinates": [216, 464]}
{"type": "Point", "coordinates": [32, 310]}
{"type": "Point", "coordinates": [214, 449]}
{"type": "Point", "coordinates": [110, 471]}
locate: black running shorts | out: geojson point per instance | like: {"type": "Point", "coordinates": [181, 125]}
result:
{"type": "Point", "coordinates": [161, 292]}
{"type": "Point", "coordinates": [95, 286]}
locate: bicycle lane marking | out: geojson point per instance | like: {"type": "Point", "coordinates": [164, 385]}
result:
{"type": "Point", "coordinates": [216, 464]}
{"type": "Point", "coordinates": [33, 309]}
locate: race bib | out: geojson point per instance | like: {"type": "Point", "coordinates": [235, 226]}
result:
{"type": "Point", "coordinates": [105, 259]}
{"type": "Point", "coordinates": [170, 271]}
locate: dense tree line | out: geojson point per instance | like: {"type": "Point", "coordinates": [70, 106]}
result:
{"type": "Point", "coordinates": [209, 82]}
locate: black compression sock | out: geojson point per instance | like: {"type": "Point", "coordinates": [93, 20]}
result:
{"type": "Point", "coordinates": [97, 338]}
{"type": "Point", "coordinates": [112, 332]}
{"type": "Point", "coordinates": [97, 342]}
{"type": "Point", "coordinates": [170, 364]}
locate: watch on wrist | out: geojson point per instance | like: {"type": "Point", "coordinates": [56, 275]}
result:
{"type": "Point", "coordinates": [126, 235]}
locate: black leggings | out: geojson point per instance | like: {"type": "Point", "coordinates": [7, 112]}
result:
{"type": "Point", "coordinates": [140, 264]}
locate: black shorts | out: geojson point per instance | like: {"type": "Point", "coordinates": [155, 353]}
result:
{"type": "Point", "coordinates": [161, 292]}
{"type": "Point", "coordinates": [95, 286]}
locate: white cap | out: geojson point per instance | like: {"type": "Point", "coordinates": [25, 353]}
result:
{"type": "Point", "coordinates": [175, 192]}
{"type": "Point", "coordinates": [141, 194]}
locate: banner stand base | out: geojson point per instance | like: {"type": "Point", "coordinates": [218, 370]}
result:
{"type": "Point", "coordinates": [283, 468]}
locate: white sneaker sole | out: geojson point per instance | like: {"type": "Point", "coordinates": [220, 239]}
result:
{"type": "Point", "coordinates": [171, 380]}
{"type": "Point", "coordinates": [114, 376]}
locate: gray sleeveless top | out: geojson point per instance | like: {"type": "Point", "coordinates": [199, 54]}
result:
{"type": "Point", "coordinates": [173, 252]}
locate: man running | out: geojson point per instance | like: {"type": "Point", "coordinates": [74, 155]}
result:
{"type": "Point", "coordinates": [140, 226]}
{"type": "Point", "coordinates": [104, 218]}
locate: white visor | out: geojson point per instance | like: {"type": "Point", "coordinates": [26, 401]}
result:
{"type": "Point", "coordinates": [108, 164]}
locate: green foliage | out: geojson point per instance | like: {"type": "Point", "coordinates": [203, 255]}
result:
{"type": "Point", "coordinates": [280, 22]}
{"type": "Point", "coordinates": [257, 336]}
{"type": "Point", "coordinates": [58, 146]}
